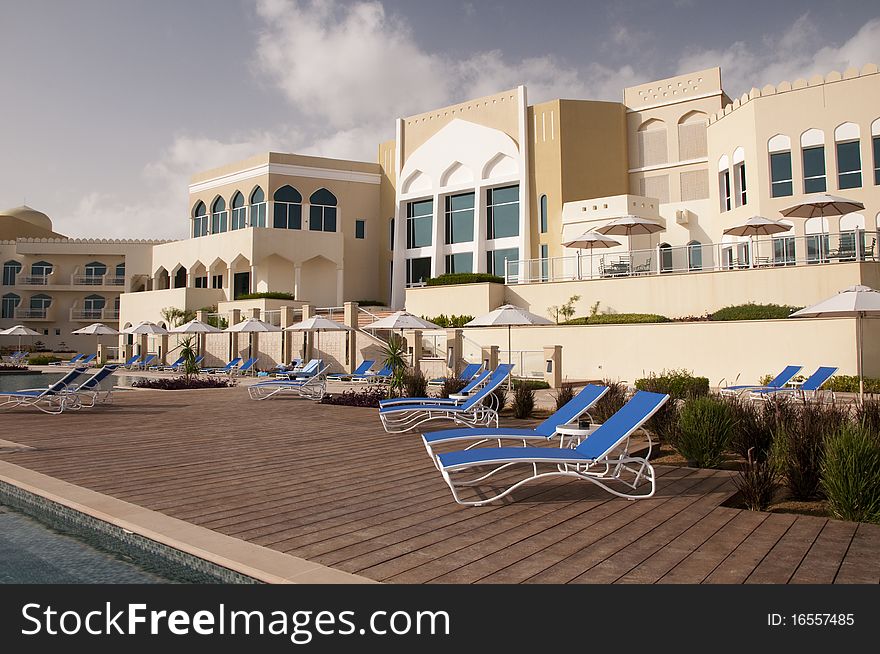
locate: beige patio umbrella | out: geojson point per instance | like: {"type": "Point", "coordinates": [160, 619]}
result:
{"type": "Point", "coordinates": [252, 326]}
{"type": "Point", "coordinates": [317, 324]}
{"type": "Point", "coordinates": [630, 225]}
{"type": "Point", "coordinates": [19, 330]}
{"type": "Point", "coordinates": [98, 330]}
{"type": "Point", "coordinates": [820, 205]}
{"type": "Point", "coordinates": [855, 301]}
{"type": "Point", "coordinates": [591, 240]}
{"type": "Point", "coordinates": [198, 328]}
{"type": "Point", "coordinates": [757, 226]}
{"type": "Point", "coordinates": [143, 329]}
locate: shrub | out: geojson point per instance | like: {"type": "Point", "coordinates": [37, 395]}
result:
{"type": "Point", "coordinates": [752, 311]}
{"type": "Point", "coordinates": [370, 303]}
{"type": "Point", "coordinates": [42, 360]}
{"type": "Point", "coordinates": [850, 384]}
{"type": "Point", "coordinates": [799, 445]}
{"type": "Point", "coordinates": [564, 394]}
{"type": "Point", "coordinates": [611, 402]}
{"type": "Point", "coordinates": [617, 319]}
{"type": "Point", "coordinates": [678, 384]}
{"type": "Point", "coordinates": [463, 278]}
{"type": "Point", "coordinates": [851, 474]}
{"type": "Point", "coordinates": [534, 384]}
{"type": "Point", "coordinates": [867, 415]}
{"type": "Point", "coordinates": [500, 399]}
{"type": "Point", "coordinates": [664, 423]}
{"type": "Point", "coordinates": [451, 385]}
{"type": "Point", "coordinates": [449, 321]}
{"type": "Point", "coordinates": [523, 402]}
{"type": "Point", "coordinates": [369, 397]}
{"type": "Point", "coordinates": [705, 427]}
{"type": "Point", "coordinates": [182, 383]}
{"type": "Point", "coordinates": [753, 428]}
{"type": "Point", "coordinates": [414, 383]}
{"type": "Point", "coordinates": [757, 483]}
{"type": "Point", "coordinates": [267, 295]}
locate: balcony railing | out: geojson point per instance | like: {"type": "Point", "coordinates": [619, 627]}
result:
{"type": "Point", "coordinates": [763, 252]}
{"type": "Point", "coordinates": [94, 315]}
{"type": "Point", "coordinates": [32, 280]}
{"type": "Point", "coordinates": [32, 314]}
{"type": "Point", "coordinates": [97, 280]}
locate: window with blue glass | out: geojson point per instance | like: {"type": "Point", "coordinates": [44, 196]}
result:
{"type": "Point", "coordinates": [322, 211]}
{"type": "Point", "coordinates": [419, 223]}
{"type": "Point", "coordinates": [258, 208]}
{"type": "Point", "coordinates": [543, 214]}
{"type": "Point", "coordinates": [10, 270]}
{"type": "Point", "coordinates": [783, 251]}
{"type": "Point", "coordinates": [814, 169]}
{"type": "Point", "coordinates": [459, 218]}
{"type": "Point", "coordinates": [360, 228]}
{"type": "Point", "coordinates": [10, 302]}
{"type": "Point", "coordinates": [695, 255]}
{"type": "Point", "coordinates": [120, 269]}
{"type": "Point", "coordinates": [95, 270]}
{"type": "Point", "coordinates": [545, 262]}
{"type": "Point", "coordinates": [849, 165]}
{"type": "Point", "coordinates": [724, 189]}
{"type": "Point", "coordinates": [239, 211]}
{"type": "Point", "coordinates": [39, 303]}
{"type": "Point", "coordinates": [41, 269]}
{"type": "Point", "coordinates": [877, 160]}
{"type": "Point", "coordinates": [93, 305]}
{"type": "Point", "coordinates": [495, 261]}
{"type": "Point", "coordinates": [418, 270]}
{"type": "Point", "coordinates": [218, 216]}
{"type": "Point", "coordinates": [391, 233]}
{"type": "Point", "coordinates": [200, 220]}
{"type": "Point", "coordinates": [202, 282]}
{"type": "Point", "coordinates": [502, 212]}
{"type": "Point", "coordinates": [780, 174]}
{"type": "Point", "coordinates": [460, 262]}
{"type": "Point", "coordinates": [287, 213]}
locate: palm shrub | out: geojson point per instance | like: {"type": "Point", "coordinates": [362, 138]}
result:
{"type": "Point", "coordinates": [523, 402]}
{"type": "Point", "coordinates": [451, 385]}
{"type": "Point", "coordinates": [851, 474]}
{"type": "Point", "coordinates": [757, 483]}
{"type": "Point", "coordinates": [705, 427]}
{"type": "Point", "coordinates": [414, 383]}
{"type": "Point", "coordinates": [611, 402]}
{"type": "Point", "coordinates": [394, 357]}
{"type": "Point", "coordinates": [188, 352]}
{"type": "Point", "coordinates": [564, 394]}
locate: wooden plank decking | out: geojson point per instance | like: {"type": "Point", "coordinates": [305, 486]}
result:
{"type": "Point", "coordinates": [327, 484]}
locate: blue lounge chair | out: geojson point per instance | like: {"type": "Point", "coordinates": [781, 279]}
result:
{"type": "Point", "coordinates": [362, 369]}
{"type": "Point", "coordinates": [568, 413]}
{"type": "Point", "coordinates": [131, 361]}
{"type": "Point", "coordinates": [603, 458]}
{"type": "Point", "coordinates": [379, 377]}
{"type": "Point", "coordinates": [244, 368]}
{"type": "Point", "coordinates": [86, 361]}
{"type": "Point", "coordinates": [313, 387]}
{"type": "Point", "coordinates": [460, 397]}
{"type": "Point", "coordinates": [308, 370]}
{"type": "Point", "coordinates": [811, 385]}
{"type": "Point", "coordinates": [144, 363]}
{"type": "Point", "coordinates": [224, 369]}
{"type": "Point", "coordinates": [777, 382]}
{"type": "Point", "coordinates": [173, 366]}
{"type": "Point", "coordinates": [470, 371]}
{"type": "Point", "coordinates": [69, 362]}
{"type": "Point", "coordinates": [479, 409]}
{"type": "Point", "coordinates": [52, 399]}
{"type": "Point", "coordinates": [89, 393]}
{"type": "Point", "coordinates": [295, 364]}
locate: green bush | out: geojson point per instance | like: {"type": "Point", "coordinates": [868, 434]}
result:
{"type": "Point", "coordinates": [370, 303]}
{"type": "Point", "coordinates": [851, 475]}
{"type": "Point", "coordinates": [867, 415]}
{"type": "Point", "coordinates": [533, 384]}
{"type": "Point", "coordinates": [753, 428]}
{"type": "Point", "coordinates": [523, 402]}
{"type": "Point", "coordinates": [752, 311]}
{"type": "Point", "coordinates": [679, 384]}
{"type": "Point", "coordinates": [850, 384]}
{"type": "Point", "coordinates": [616, 319]}
{"type": "Point", "coordinates": [414, 383]}
{"type": "Point", "coordinates": [611, 402]}
{"type": "Point", "coordinates": [42, 360]}
{"type": "Point", "coordinates": [268, 295]}
{"type": "Point", "coordinates": [449, 321]}
{"type": "Point", "coordinates": [463, 278]}
{"type": "Point", "coordinates": [705, 427]}
{"type": "Point", "coordinates": [451, 385]}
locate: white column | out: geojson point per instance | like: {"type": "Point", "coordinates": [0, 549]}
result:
{"type": "Point", "coordinates": [297, 281]}
{"type": "Point", "coordinates": [229, 283]}
{"type": "Point", "coordinates": [398, 283]}
{"type": "Point", "coordinates": [340, 286]}
{"type": "Point", "coordinates": [253, 287]}
{"type": "Point", "coordinates": [438, 267]}
{"type": "Point", "coordinates": [480, 222]}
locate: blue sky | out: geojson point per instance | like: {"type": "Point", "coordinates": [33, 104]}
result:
{"type": "Point", "coordinates": [108, 107]}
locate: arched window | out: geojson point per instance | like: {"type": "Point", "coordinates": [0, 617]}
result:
{"type": "Point", "coordinates": [10, 302]}
{"type": "Point", "coordinates": [200, 220]}
{"type": "Point", "coordinates": [94, 272]}
{"type": "Point", "coordinates": [849, 158]}
{"type": "Point", "coordinates": [543, 214]}
{"type": "Point", "coordinates": [665, 257]}
{"type": "Point", "coordinates": [10, 270]}
{"type": "Point", "coordinates": [239, 211]}
{"type": "Point", "coordinates": [322, 212]}
{"type": "Point", "coordinates": [287, 213]}
{"type": "Point", "coordinates": [93, 305]}
{"type": "Point", "coordinates": [120, 270]}
{"type": "Point", "coordinates": [695, 255]}
{"type": "Point", "coordinates": [724, 191]}
{"type": "Point", "coordinates": [258, 208]}
{"type": "Point", "coordinates": [218, 216]}
{"type": "Point", "coordinates": [739, 176]}
{"type": "Point", "coordinates": [651, 139]}
{"type": "Point", "coordinates": [779, 149]}
{"type": "Point", "coordinates": [813, 153]}
{"type": "Point", "coordinates": [180, 278]}
{"type": "Point", "coordinates": [39, 305]}
{"type": "Point", "coordinates": [692, 136]}
{"type": "Point", "coordinates": [875, 139]}
{"type": "Point", "coordinates": [41, 269]}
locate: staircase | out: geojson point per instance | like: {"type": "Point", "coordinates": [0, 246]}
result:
{"type": "Point", "coordinates": [375, 313]}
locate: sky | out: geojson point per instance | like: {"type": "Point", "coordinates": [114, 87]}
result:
{"type": "Point", "coordinates": [107, 107]}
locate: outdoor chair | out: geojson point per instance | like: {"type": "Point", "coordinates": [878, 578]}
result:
{"type": "Point", "coordinates": [456, 398]}
{"type": "Point", "coordinates": [603, 459]}
{"type": "Point", "coordinates": [90, 393]}
{"type": "Point", "coordinates": [777, 382]}
{"type": "Point", "coordinates": [178, 365]}
{"type": "Point", "coordinates": [144, 363]}
{"type": "Point", "coordinates": [811, 384]}
{"type": "Point", "coordinates": [244, 368]}
{"type": "Point", "coordinates": [568, 413]}
{"type": "Point", "coordinates": [379, 377]}
{"type": "Point", "coordinates": [52, 399]}
{"type": "Point", "coordinates": [131, 361]}
{"type": "Point", "coordinates": [70, 362]}
{"type": "Point", "coordinates": [171, 367]}
{"type": "Point", "coordinates": [364, 366]}
{"type": "Point", "coordinates": [467, 373]}
{"type": "Point", "coordinates": [312, 388]}
{"type": "Point", "coordinates": [223, 369]}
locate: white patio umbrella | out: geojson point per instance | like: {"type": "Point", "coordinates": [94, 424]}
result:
{"type": "Point", "coordinates": [146, 328]}
{"type": "Point", "coordinates": [822, 204]}
{"type": "Point", "coordinates": [508, 315]}
{"type": "Point", "coordinates": [98, 330]}
{"type": "Point", "coordinates": [198, 328]}
{"type": "Point", "coordinates": [855, 301]}
{"type": "Point", "coordinates": [19, 330]}
{"type": "Point", "coordinates": [252, 326]}
{"type": "Point", "coordinates": [402, 320]}
{"type": "Point", "coordinates": [591, 240]}
{"type": "Point", "coordinates": [757, 226]}
{"type": "Point", "coordinates": [318, 324]}
{"type": "Point", "coordinates": [630, 225]}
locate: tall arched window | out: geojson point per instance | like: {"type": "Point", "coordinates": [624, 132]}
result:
{"type": "Point", "coordinates": [724, 187]}
{"type": "Point", "coordinates": [849, 158]}
{"type": "Point", "coordinates": [692, 136]}
{"type": "Point", "coordinates": [543, 214]}
{"type": "Point", "coordinates": [239, 211]}
{"type": "Point", "coordinates": [39, 305]}
{"type": "Point", "coordinates": [200, 220]}
{"type": "Point", "coordinates": [665, 257]}
{"type": "Point", "coordinates": [779, 149]}
{"type": "Point", "coordinates": [10, 270]}
{"type": "Point", "coordinates": [739, 177]}
{"type": "Point", "coordinates": [813, 152]}
{"type": "Point", "coordinates": [218, 216]}
{"type": "Point", "coordinates": [651, 139]}
{"type": "Point", "coordinates": [695, 255]}
{"type": "Point", "coordinates": [41, 269]}
{"type": "Point", "coordinates": [94, 272]}
{"type": "Point", "coordinates": [120, 270]}
{"type": "Point", "coordinates": [875, 139]}
{"type": "Point", "coordinates": [322, 212]}
{"type": "Point", "coordinates": [287, 213]}
{"type": "Point", "coordinates": [93, 305]}
{"type": "Point", "coordinates": [10, 302]}
{"type": "Point", "coordinates": [258, 208]}
{"type": "Point", "coordinates": [180, 278]}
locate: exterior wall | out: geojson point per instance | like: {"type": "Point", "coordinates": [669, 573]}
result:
{"type": "Point", "coordinates": [462, 299]}
{"type": "Point", "coordinates": [137, 307]}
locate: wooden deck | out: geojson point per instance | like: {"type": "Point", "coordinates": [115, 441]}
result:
{"type": "Point", "coordinates": [327, 484]}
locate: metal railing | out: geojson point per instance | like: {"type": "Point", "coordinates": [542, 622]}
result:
{"type": "Point", "coordinates": [96, 280]}
{"type": "Point", "coordinates": [32, 314]}
{"type": "Point", "coordinates": [95, 315]}
{"type": "Point", "coordinates": [762, 252]}
{"type": "Point", "coordinates": [526, 363]}
{"type": "Point", "coordinates": [272, 316]}
{"type": "Point", "coordinates": [32, 280]}
{"type": "Point", "coordinates": [332, 313]}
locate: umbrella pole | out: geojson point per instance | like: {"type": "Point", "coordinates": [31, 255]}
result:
{"type": "Point", "coordinates": [861, 358]}
{"type": "Point", "coordinates": [509, 360]}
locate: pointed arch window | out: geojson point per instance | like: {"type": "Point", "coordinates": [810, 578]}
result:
{"type": "Point", "coordinates": [322, 211]}
{"type": "Point", "coordinates": [94, 272]}
{"type": "Point", "coordinates": [218, 216]}
{"type": "Point", "coordinates": [10, 271]}
{"type": "Point", "coordinates": [239, 212]}
{"type": "Point", "coordinates": [41, 269]}
{"type": "Point", "coordinates": [93, 305]}
{"type": "Point", "coordinates": [10, 303]}
{"type": "Point", "coordinates": [288, 208]}
{"type": "Point", "coordinates": [200, 220]}
{"type": "Point", "coordinates": [258, 208]}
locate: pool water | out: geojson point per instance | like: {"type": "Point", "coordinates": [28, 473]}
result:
{"type": "Point", "coordinates": [43, 379]}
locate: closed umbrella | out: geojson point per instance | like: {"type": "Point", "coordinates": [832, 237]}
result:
{"type": "Point", "coordinates": [757, 226]}
{"type": "Point", "coordinates": [508, 315]}
{"type": "Point", "coordinates": [317, 324]}
{"type": "Point", "coordinates": [591, 240]}
{"type": "Point", "coordinates": [855, 301]}
{"type": "Point", "coordinates": [19, 330]}
{"type": "Point", "coordinates": [98, 330]}
{"type": "Point", "coordinates": [252, 326]}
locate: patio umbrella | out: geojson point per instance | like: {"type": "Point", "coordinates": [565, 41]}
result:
{"type": "Point", "coordinates": [757, 226]}
{"type": "Point", "coordinates": [508, 315]}
{"type": "Point", "coordinates": [317, 324]}
{"type": "Point", "coordinates": [252, 326]}
{"type": "Point", "coordinates": [98, 330]}
{"type": "Point", "coordinates": [855, 301]}
{"type": "Point", "coordinates": [198, 328]}
{"type": "Point", "coordinates": [630, 225]}
{"type": "Point", "coordinates": [402, 320]}
{"type": "Point", "coordinates": [19, 330]}
{"type": "Point", "coordinates": [822, 204]}
{"type": "Point", "coordinates": [590, 241]}
{"type": "Point", "coordinates": [146, 328]}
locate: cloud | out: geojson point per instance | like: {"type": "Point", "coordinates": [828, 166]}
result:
{"type": "Point", "coordinates": [786, 57]}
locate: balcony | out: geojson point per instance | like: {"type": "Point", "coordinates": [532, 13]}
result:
{"type": "Point", "coordinates": [33, 280]}
{"type": "Point", "coordinates": [96, 280]}
{"type": "Point", "coordinates": [94, 315]}
{"type": "Point", "coordinates": [32, 315]}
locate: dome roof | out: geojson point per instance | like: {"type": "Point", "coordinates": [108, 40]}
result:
{"type": "Point", "coordinates": [29, 215]}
